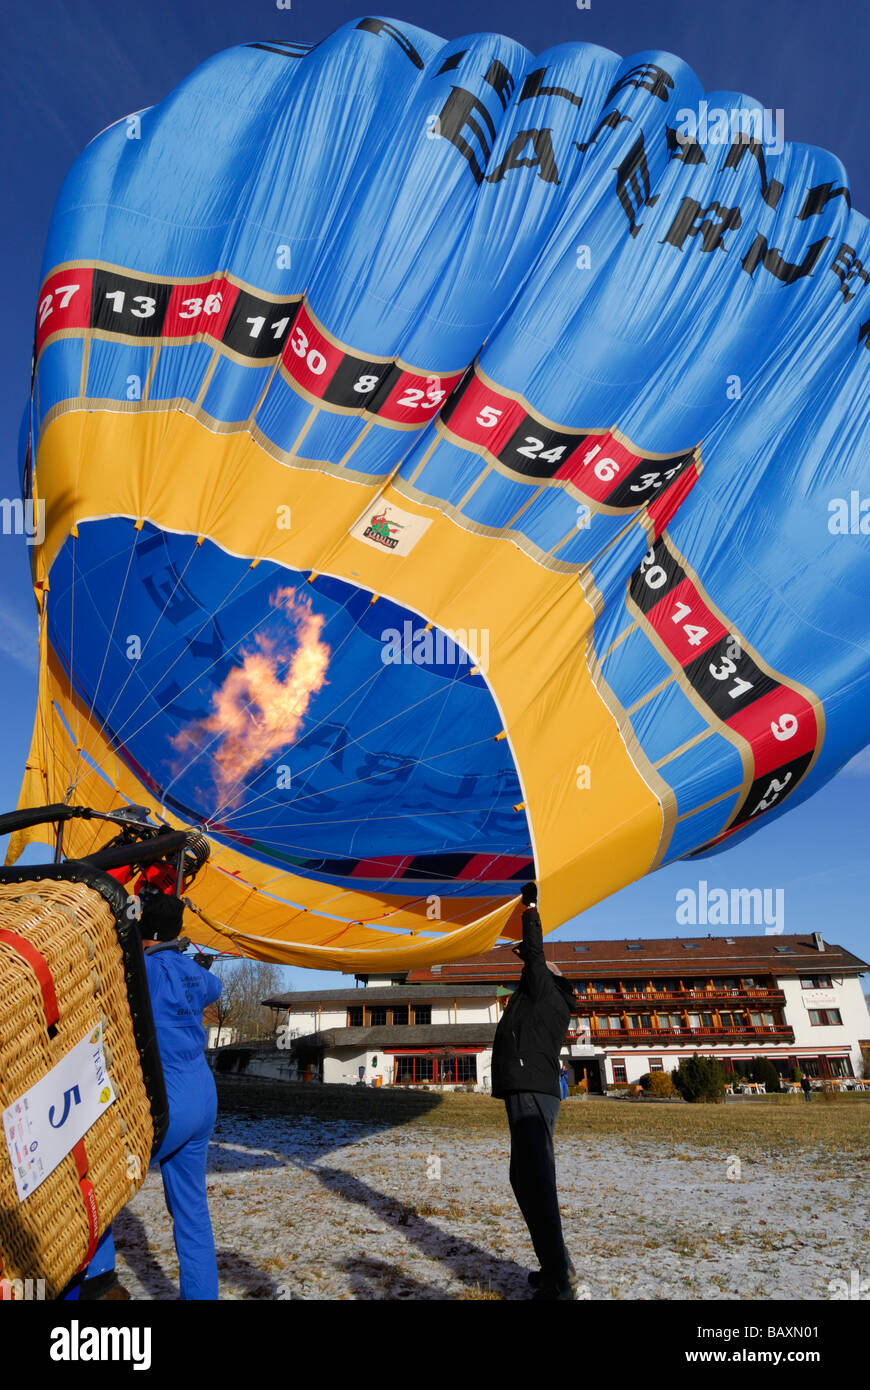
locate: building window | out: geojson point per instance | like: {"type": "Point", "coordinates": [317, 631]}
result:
{"type": "Point", "coordinates": [400, 1015]}
{"type": "Point", "coordinates": [655, 1064]}
{"type": "Point", "coordinates": [422, 1013]}
{"type": "Point", "coordinates": [816, 982]}
{"type": "Point", "coordinates": [411, 1071]}
{"type": "Point", "coordinates": [646, 1021]}
{"type": "Point", "coordinates": [742, 1066]}
{"type": "Point", "coordinates": [355, 1017]}
{"type": "Point", "coordinates": [459, 1070]}
{"type": "Point", "coordinates": [440, 1071]}
{"type": "Point", "coordinates": [840, 1066]}
{"type": "Point", "coordinates": [694, 1020]}
{"type": "Point", "coordinates": [825, 1018]}
{"type": "Point", "coordinates": [619, 1073]}
{"type": "Point", "coordinates": [378, 1017]}
{"type": "Point", "coordinates": [707, 1020]}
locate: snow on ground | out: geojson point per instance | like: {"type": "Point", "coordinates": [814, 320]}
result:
{"type": "Point", "coordinates": [307, 1208]}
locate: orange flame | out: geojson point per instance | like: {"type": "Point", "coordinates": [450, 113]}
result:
{"type": "Point", "coordinates": [256, 712]}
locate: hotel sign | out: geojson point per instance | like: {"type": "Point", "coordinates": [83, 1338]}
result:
{"type": "Point", "coordinates": [819, 998]}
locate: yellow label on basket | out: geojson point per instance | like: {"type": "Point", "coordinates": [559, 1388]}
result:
{"type": "Point", "coordinates": [45, 1123]}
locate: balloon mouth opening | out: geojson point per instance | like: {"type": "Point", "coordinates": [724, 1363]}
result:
{"type": "Point", "coordinates": [301, 723]}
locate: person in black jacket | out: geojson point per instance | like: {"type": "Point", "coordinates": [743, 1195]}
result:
{"type": "Point", "coordinates": [525, 1074]}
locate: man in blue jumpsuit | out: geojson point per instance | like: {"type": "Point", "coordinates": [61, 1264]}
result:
{"type": "Point", "coordinates": [180, 990]}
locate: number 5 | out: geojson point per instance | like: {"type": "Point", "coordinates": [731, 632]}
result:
{"type": "Point", "coordinates": [74, 1092]}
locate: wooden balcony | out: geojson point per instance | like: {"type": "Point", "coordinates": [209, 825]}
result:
{"type": "Point", "coordinates": [685, 996]}
{"type": "Point", "coordinates": [647, 1037]}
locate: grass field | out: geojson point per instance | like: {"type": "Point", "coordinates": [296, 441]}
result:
{"type": "Point", "coordinates": [328, 1192]}
{"type": "Point", "coordinates": [773, 1124]}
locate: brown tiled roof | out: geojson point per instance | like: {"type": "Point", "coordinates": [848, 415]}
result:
{"type": "Point", "coordinates": [641, 957]}
{"type": "Point", "coordinates": [380, 994]}
{"type": "Point", "coordinates": [430, 1035]}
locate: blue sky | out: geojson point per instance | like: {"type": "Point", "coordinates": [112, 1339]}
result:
{"type": "Point", "coordinates": [69, 71]}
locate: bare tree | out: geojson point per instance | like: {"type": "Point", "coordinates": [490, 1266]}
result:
{"type": "Point", "coordinates": [245, 984]}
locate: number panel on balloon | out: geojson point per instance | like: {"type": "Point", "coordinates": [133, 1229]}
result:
{"type": "Point", "coordinates": [128, 305]}
{"type": "Point", "coordinates": [115, 302]}
{"type": "Point", "coordinates": [64, 304]}
{"type": "Point", "coordinates": [777, 723]}
{"type": "Point", "coordinates": [600, 467]}
{"type": "Point", "coordinates": [257, 327]}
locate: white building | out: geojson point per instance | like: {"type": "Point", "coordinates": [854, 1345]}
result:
{"type": "Point", "coordinates": [642, 1005]}
{"type": "Point", "coordinates": [392, 1034]}
{"type": "Point", "coordinates": [217, 1034]}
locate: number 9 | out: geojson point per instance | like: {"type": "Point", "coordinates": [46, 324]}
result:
{"type": "Point", "coordinates": [786, 728]}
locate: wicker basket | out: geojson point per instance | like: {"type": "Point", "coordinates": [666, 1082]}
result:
{"type": "Point", "coordinates": [96, 977]}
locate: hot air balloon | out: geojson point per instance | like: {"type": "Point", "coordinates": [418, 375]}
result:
{"type": "Point", "coordinates": [442, 452]}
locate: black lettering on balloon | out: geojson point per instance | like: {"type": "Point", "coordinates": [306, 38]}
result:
{"type": "Point", "coordinates": [383, 26]}
{"type": "Point", "coordinates": [501, 81]}
{"type": "Point", "coordinates": [683, 147]}
{"type": "Point", "coordinates": [818, 198]}
{"type": "Point", "coordinates": [771, 191]}
{"type": "Point", "coordinates": [846, 266]}
{"type": "Point", "coordinates": [647, 76]}
{"type": "Point", "coordinates": [283, 47]}
{"type": "Point", "coordinates": [461, 112]}
{"type": "Point", "coordinates": [533, 87]}
{"type": "Point", "coordinates": [452, 62]}
{"type": "Point", "coordinates": [608, 122]}
{"type": "Point", "coordinates": [633, 185]}
{"type": "Point", "coordinates": [542, 157]}
{"type": "Point", "coordinates": [787, 271]}
{"type": "Point", "coordinates": [692, 220]}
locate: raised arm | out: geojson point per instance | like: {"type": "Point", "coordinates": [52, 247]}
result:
{"type": "Point", "coordinates": [535, 972]}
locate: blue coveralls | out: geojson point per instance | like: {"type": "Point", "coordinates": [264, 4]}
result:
{"type": "Point", "coordinates": [180, 990]}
